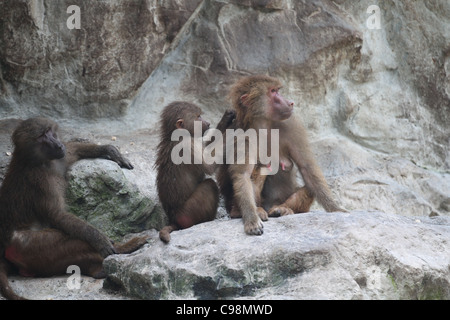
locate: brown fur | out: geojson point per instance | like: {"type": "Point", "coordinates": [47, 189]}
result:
{"type": "Point", "coordinates": [246, 192]}
{"type": "Point", "coordinates": [37, 235]}
{"type": "Point", "coordinates": [186, 196]}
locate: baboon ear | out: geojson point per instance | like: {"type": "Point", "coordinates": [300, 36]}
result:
{"type": "Point", "coordinates": [179, 124]}
{"type": "Point", "coordinates": [244, 99]}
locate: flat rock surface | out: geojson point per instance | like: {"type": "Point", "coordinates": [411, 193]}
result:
{"type": "Point", "coordinates": [317, 255]}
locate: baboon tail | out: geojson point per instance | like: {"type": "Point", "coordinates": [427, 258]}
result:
{"type": "Point", "coordinates": [131, 245]}
{"type": "Point", "coordinates": [5, 289]}
{"type": "Point", "coordinates": [164, 233]}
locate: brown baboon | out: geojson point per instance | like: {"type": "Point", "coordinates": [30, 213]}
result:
{"type": "Point", "coordinates": [186, 196]}
{"type": "Point", "coordinates": [37, 235]}
{"type": "Point", "coordinates": [259, 105]}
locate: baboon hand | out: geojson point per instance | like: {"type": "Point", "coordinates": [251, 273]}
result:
{"type": "Point", "coordinates": [113, 154]}
{"type": "Point", "coordinates": [125, 163]}
{"type": "Point", "coordinates": [105, 247]}
{"type": "Point", "coordinates": [262, 213]}
{"type": "Point", "coordinates": [280, 211]}
{"type": "Point", "coordinates": [227, 118]}
{"type": "Point", "coordinates": [334, 208]}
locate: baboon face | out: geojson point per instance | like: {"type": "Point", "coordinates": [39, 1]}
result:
{"type": "Point", "coordinates": [182, 115]}
{"type": "Point", "coordinates": [259, 96]}
{"type": "Point", "coordinates": [279, 108]}
{"type": "Point", "coordinates": [190, 117]}
{"type": "Point", "coordinates": [50, 145]}
{"type": "Point", "coordinates": [39, 137]}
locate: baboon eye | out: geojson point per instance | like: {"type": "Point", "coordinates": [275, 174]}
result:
{"type": "Point", "coordinates": [44, 133]}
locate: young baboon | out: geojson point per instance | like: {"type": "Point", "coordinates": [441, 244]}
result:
{"type": "Point", "coordinates": [186, 196]}
{"type": "Point", "coordinates": [259, 105]}
{"type": "Point", "coordinates": [37, 235]}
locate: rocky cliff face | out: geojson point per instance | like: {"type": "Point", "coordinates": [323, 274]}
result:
{"type": "Point", "coordinates": [371, 87]}
{"type": "Point", "coordinates": [89, 72]}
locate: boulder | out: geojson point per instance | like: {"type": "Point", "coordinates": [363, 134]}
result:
{"type": "Point", "coordinates": [316, 255]}
{"type": "Point", "coordinates": [102, 193]}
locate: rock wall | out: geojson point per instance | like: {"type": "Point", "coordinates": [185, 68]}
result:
{"type": "Point", "coordinates": [375, 101]}
{"type": "Point", "coordinates": [91, 72]}
{"type": "Point", "coordinates": [371, 87]}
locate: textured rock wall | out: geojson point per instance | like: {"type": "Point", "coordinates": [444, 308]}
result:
{"type": "Point", "coordinates": [385, 89]}
{"type": "Point", "coordinates": [375, 102]}
{"type": "Point", "coordinates": [93, 71]}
